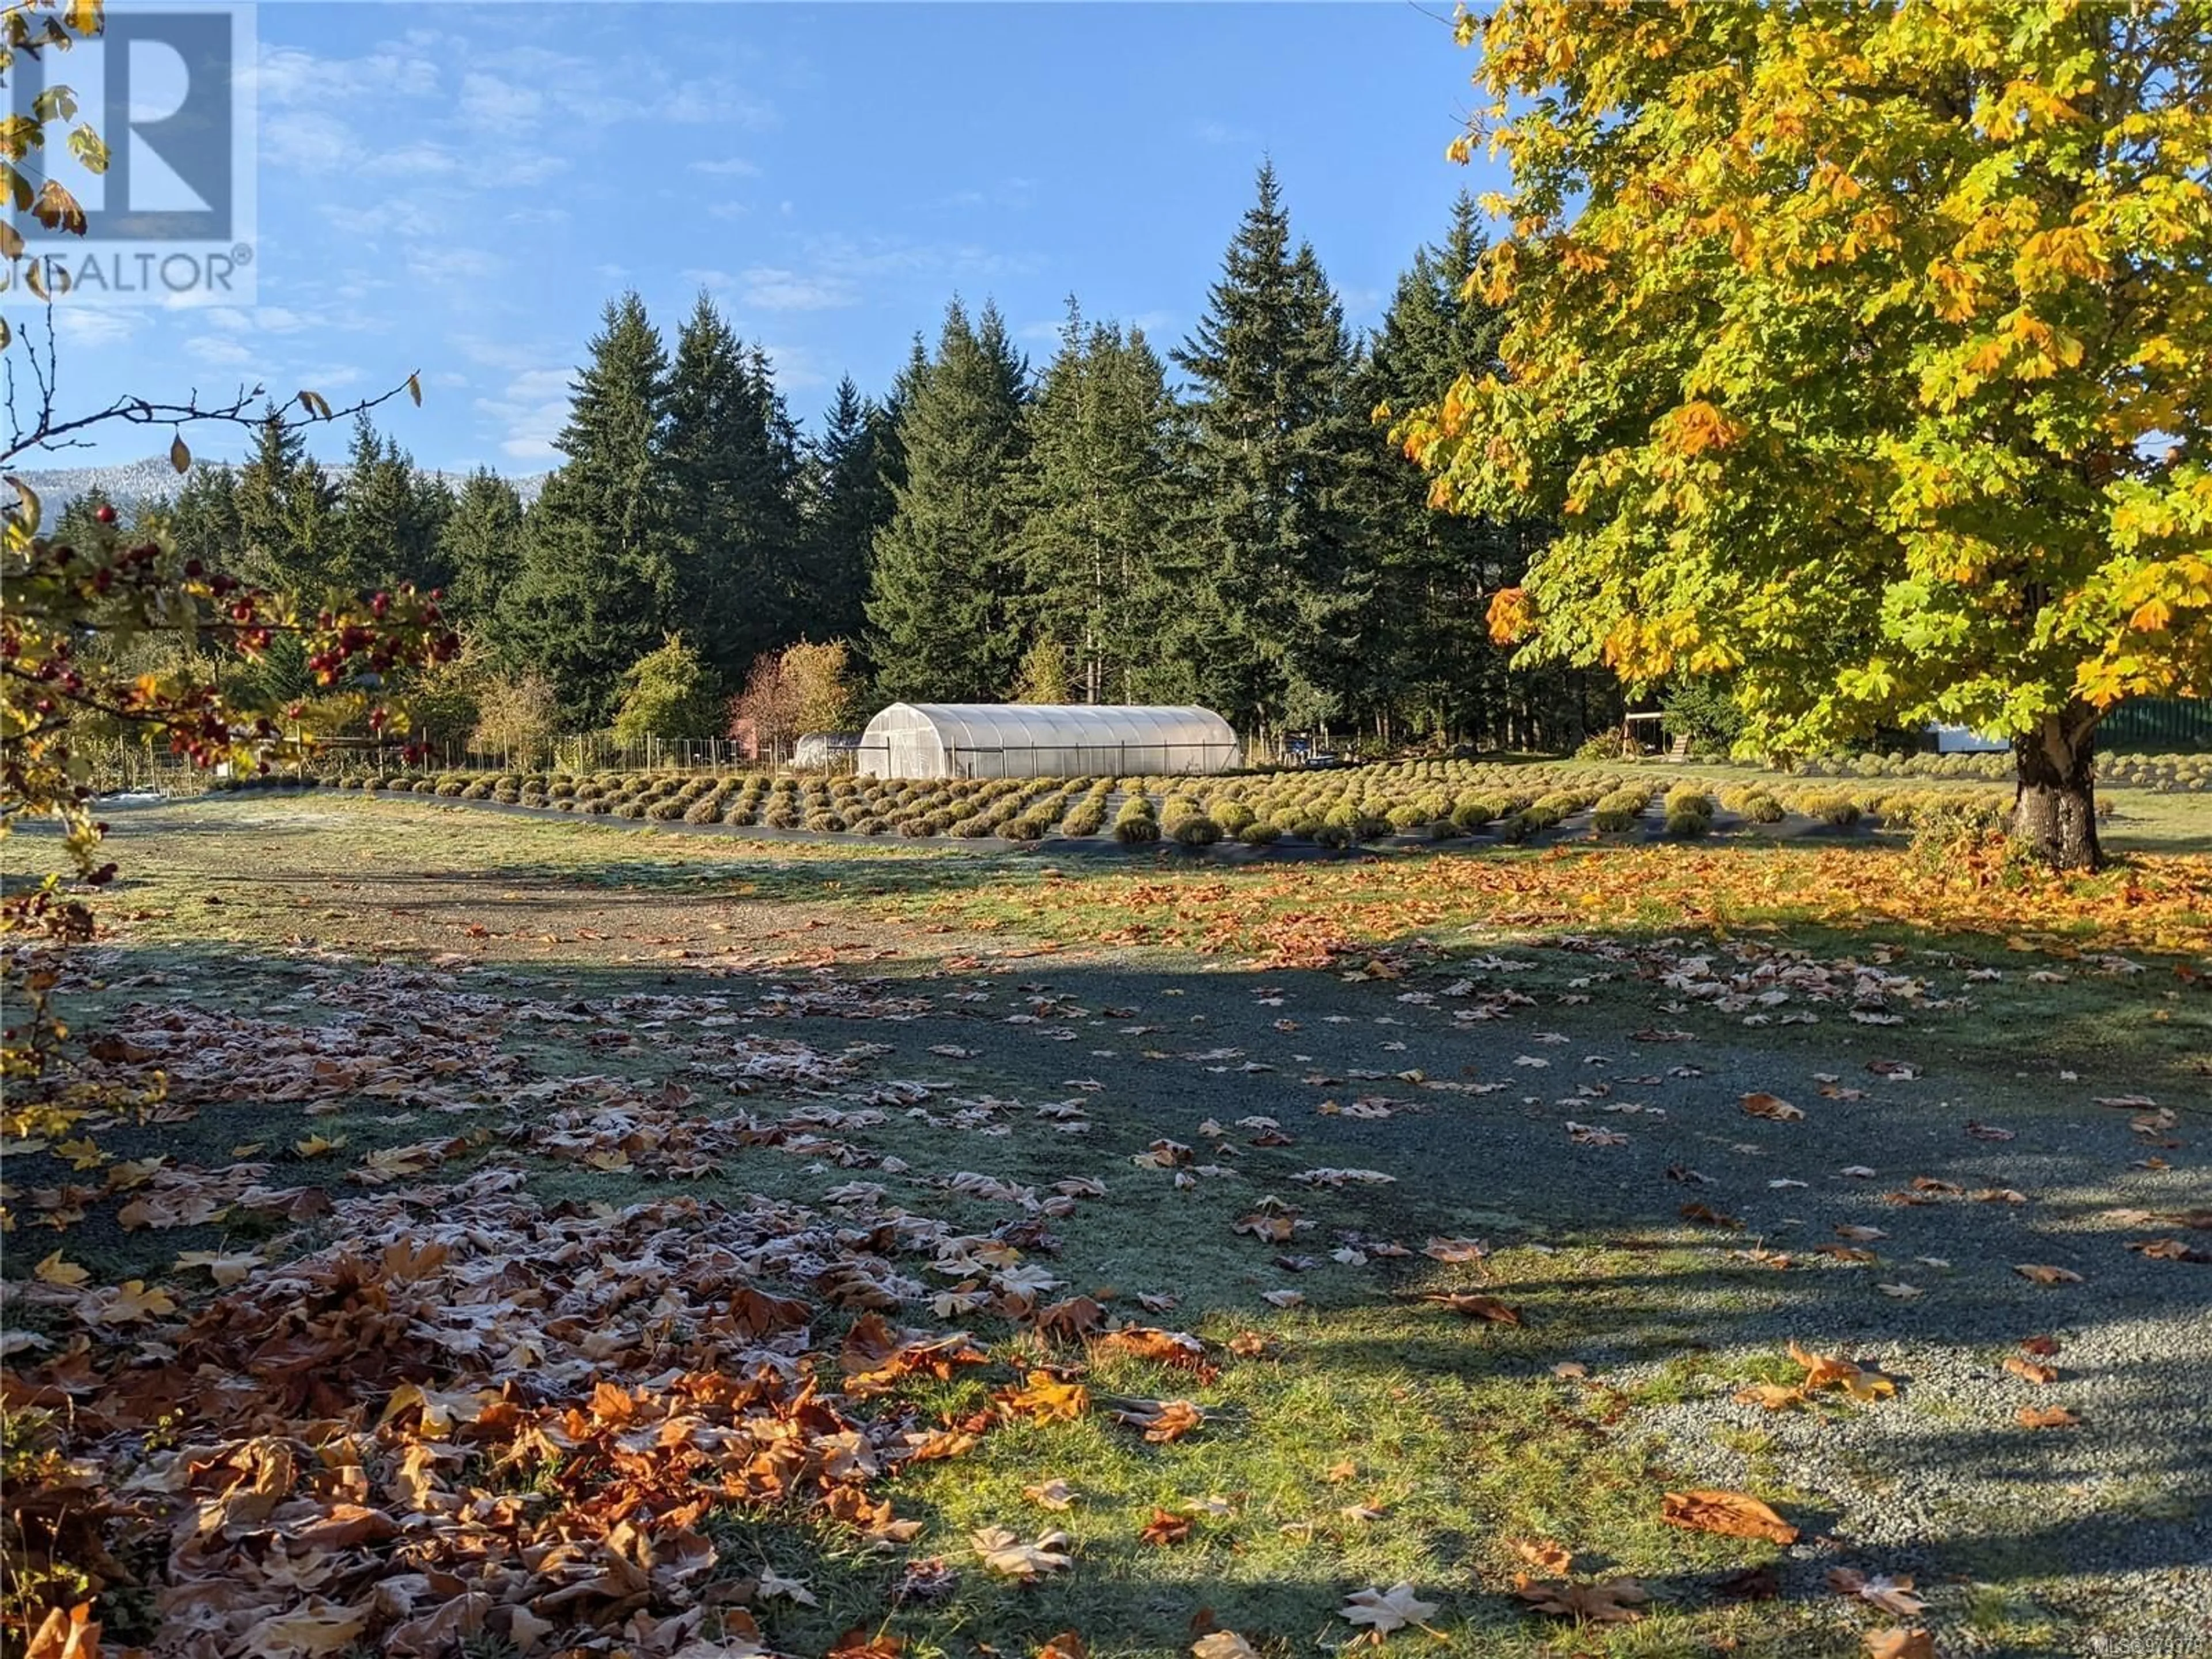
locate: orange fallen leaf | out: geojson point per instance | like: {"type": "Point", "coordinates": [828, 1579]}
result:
{"type": "Point", "coordinates": [1862, 1383]}
{"type": "Point", "coordinates": [1545, 1554]}
{"type": "Point", "coordinates": [1899, 1642]}
{"type": "Point", "coordinates": [1047, 1399]}
{"type": "Point", "coordinates": [1762, 1104]}
{"type": "Point", "coordinates": [1734, 1514]}
{"type": "Point", "coordinates": [2048, 1417]}
{"type": "Point", "coordinates": [1772, 1396]}
{"type": "Point", "coordinates": [2032, 1370]}
{"type": "Point", "coordinates": [1162, 1420]}
{"type": "Point", "coordinates": [1166, 1527]}
{"type": "Point", "coordinates": [1468, 1305]}
{"type": "Point", "coordinates": [71, 1635]}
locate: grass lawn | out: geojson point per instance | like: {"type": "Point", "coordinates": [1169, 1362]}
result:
{"type": "Point", "coordinates": [511, 1178]}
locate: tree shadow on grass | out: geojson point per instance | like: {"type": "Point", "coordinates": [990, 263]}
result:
{"type": "Point", "coordinates": [1661, 1314]}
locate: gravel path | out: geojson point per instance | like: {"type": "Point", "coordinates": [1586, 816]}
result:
{"type": "Point", "coordinates": [2094, 1538]}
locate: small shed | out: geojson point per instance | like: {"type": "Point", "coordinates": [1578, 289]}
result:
{"type": "Point", "coordinates": [1043, 740]}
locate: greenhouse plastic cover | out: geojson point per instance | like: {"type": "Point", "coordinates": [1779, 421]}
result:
{"type": "Point", "coordinates": [1039, 740]}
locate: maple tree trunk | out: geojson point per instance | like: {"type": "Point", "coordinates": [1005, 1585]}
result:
{"type": "Point", "coordinates": [2055, 800]}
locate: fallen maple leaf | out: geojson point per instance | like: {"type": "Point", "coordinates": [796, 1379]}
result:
{"type": "Point", "coordinates": [1076, 1316]}
{"type": "Point", "coordinates": [1862, 1383]}
{"type": "Point", "coordinates": [1053, 1494]}
{"type": "Point", "coordinates": [1890, 1595]}
{"type": "Point", "coordinates": [225, 1268]}
{"type": "Point", "coordinates": [53, 1270]}
{"type": "Point", "coordinates": [2039, 1273]}
{"type": "Point", "coordinates": [1166, 1527]}
{"type": "Point", "coordinates": [1145, 1342]}
{"type": "Point", "coordinates": [1455, 1249]}
{"type": "Point", "coordinates": [1774, 1396]}
{"type": "Point", "coordinates": [127, 1303]}
{"type": "Point", "coordinates": [317, 1627]}
{"type": "Point", "coordinates": [1003, 1551]}
{"type": "Point", "coordinates": [1736, 1514]}
{"type": "Point", "coordinates": [1047, 1399]}
{"type": "Point", "coordinates": [1384, 1611]}
{"type": "Point", "coordinates": [1068, 1644]}
{"type": "Point", "coordinates": [773, 1583]}
{"type": "Point", "coordinates": [1545, 1554]}
{"type": "Point", "coordinates": [1223, 1644]}
{"type": "Point", "coordinates": [1900, 1643]}
{"type": "Point", "coordinates": [71, 1635]}
{"type": "Point", "coordinates": [2030, 1371]}
{"type": "Point", "coordinates": [1469, 1305]}
{"type": "Point", "coordinates": [1761, 1104]}
{"type": "Point", "coordinates": [1610, 1602]}
{"type": "Point", "coordinates": [1162, 1420]}
{"type": "Point", "coordinates": [2048, 1417]}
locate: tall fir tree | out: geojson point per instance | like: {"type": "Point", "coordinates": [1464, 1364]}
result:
{"type": "Point", "coordinates": [597, 582]}
{"type": "Point", "coordinates": [946, 574]}
{"type": "Point", "coordinates": [1437, 673]}
{"type": "Point", "coordinates": [731, 462]}
{"type": "Point", "coordinates": [850, 501]}
{"type": "Point", "coordinates": [204, 524]}
{"type": "Point", "coordinates": [481, 543]}
{"type": "Point", "coordinates": [1279, 573]}
{"type": "Point", "coordinates": [389, 517]}
{"type": "Point", "coordinates": [1101, 491]}
{"type": "Point", "coordinates": [288, 536]}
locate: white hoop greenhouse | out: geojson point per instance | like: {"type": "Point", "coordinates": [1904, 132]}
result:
{"type": "Point", "coordinates": [1042, 740]}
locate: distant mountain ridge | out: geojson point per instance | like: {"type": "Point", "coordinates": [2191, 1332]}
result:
{"type": "Point", "coordinates": [154, 479]}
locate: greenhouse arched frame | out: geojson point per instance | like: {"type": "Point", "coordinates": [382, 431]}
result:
{"type": "Point", "coordinates": [1044, 740]}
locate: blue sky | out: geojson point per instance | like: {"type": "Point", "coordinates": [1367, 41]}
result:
{"type": "Point", "coordinates": [460, 189]}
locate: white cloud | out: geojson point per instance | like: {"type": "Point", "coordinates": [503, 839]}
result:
{"type": "Point", "coordinates": [93, 327]}
{"type": "Point", "coordinates": [696, 103]}
{"type": "Point", "coordinates": [1220, 132]}
{"type": "Point", "coordinates": [503, 355]}
{"type": "Point", "coordinates": [520, 169]}
{"type": "Point", "coordinates": [287, 77]}
{"type": "Point", "coordinates": [416, 159]}
{"type": "Point", "coordinates": [487, 101]}
{"type": "Point", "coordinates": [798, 368]}
{"type": "Point", "coordinates": [769, 289]}
{"type": "Point", "coordinates": [308, 140]}
{"type": "Point", "coordinates": [699, 278]}
{"type": "Point", "coordinates": [439, 262]}
{"type": "Point", "coordinates": [530, 412]}
{"type": "Point", "coordinates": [218, 351]}
{"type": "Point", "coordinates": [735, 167]}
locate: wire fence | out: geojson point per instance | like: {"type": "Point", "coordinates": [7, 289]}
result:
{"type": "Point", "coordinates": [124, 767]}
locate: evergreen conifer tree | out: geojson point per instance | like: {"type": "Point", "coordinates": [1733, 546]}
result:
{"type": "Point", "coordinates": [1277, 585]}
{"type": "Point", "coordinates": [287, 529]}
{"type": "Point", "coordinates": [597, 582]}
{"type": "Point", "coordinates": [851, 498]}
{"type": "Point", "coordinates": [946, 566]}
{"type": "Point", "coordinates": [733, 465]}
{"type": "Point", "coordinates": [389, 518]}
{"type": "Point", "coordinates": [1427, 631]}
{"type": "Point", "coordinates": [1100, 491]}
{"type": "Point", "coordinates": [481, 543]}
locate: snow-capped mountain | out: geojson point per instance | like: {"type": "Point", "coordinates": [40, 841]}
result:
{"type": "Point", "coordinates": [154, 479]}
